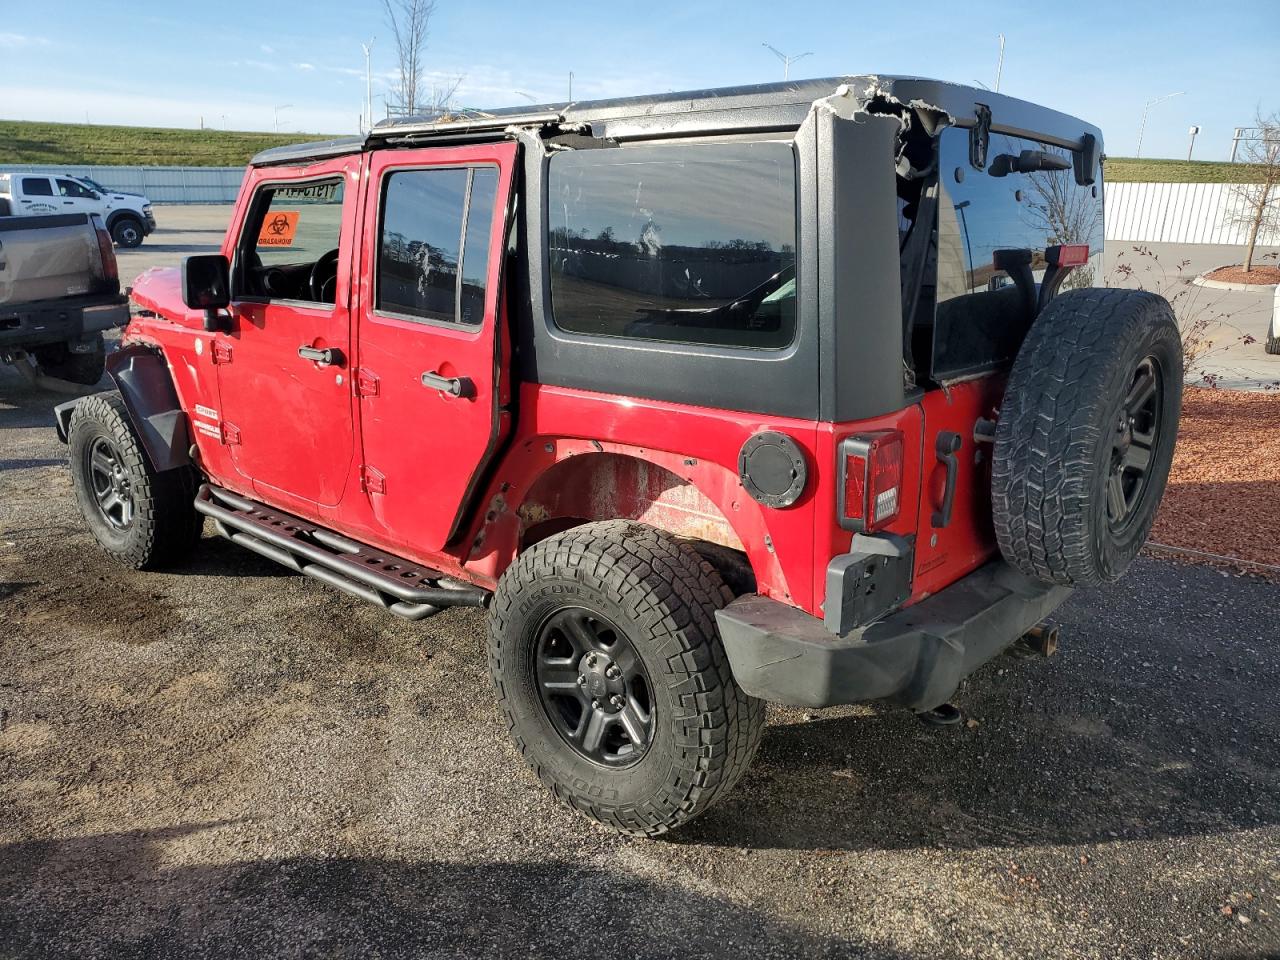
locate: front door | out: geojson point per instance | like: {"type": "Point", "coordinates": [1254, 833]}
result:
{"type": "Point", "coordinates": [77, 198]}
{"type": "Point", "coordinates": [431, 374]}
{"type": "Point", "coordinates": [283, 368]}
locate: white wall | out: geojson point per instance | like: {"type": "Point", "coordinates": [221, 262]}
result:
{"type": "Point", "coordinates": [159, 184]}
{"type": "Point", "coordinates": [1178, 213]}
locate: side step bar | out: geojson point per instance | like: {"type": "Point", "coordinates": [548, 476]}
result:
{"type": "Point", "coordinates": [407, 589]}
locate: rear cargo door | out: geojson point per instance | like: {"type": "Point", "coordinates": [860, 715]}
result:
{"type": "Point", "coordinates": [430, 345]}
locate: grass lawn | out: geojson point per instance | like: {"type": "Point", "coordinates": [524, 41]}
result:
{"type": "Point", "coordinates": [1132, 170]}
{"type": "Point", "coordinates": [78, 143]}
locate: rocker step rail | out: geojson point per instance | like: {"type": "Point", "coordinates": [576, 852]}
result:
{"type": "Point", "coordinates": [407, 589]}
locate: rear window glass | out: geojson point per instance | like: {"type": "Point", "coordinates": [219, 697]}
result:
{"type": "Point", "coordinates": [981, 316]}
{"type": "Point", "coordinates": [981, 212]}
{"type": "Point", "coordinates": [691, 243]}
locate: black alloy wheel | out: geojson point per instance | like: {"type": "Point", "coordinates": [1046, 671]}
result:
{"type": "Point", "coordinates": [1137, 432]}
{"type": "Point", "coordinates": [109, 483]}
{"type": "Point", "coordinates": [594, 687]}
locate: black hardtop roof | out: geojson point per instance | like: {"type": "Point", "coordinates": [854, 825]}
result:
{"type": "Point", "coordinates": [757, 106]}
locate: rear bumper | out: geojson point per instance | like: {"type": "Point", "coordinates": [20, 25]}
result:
{"type": "Point", "coordinates": [60, 321]}
{"type": "Point", "coordinates": [915, 657]}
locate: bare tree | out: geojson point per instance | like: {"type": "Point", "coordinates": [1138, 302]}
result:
{"type": "Point", "coordinates": [1260, 200]}
{"type": "Point", "coordinates": [409, 21]}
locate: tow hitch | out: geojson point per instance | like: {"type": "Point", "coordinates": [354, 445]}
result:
{"type": "Point", "coordinates": [1040, 641]}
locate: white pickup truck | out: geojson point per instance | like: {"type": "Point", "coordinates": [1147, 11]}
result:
{"type": "Point", "coordinates": [128, 216]}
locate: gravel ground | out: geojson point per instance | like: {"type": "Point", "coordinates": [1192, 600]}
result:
{"type": "Point", "coordinates": [229, 761]}
{"type": "Point", "coordinates": [1224, 491]}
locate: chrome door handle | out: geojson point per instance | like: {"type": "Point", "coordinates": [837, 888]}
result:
{"type": "Point", "coordinates": [453, 386]}
{"type": "Point", "coordinates": [325, 357]}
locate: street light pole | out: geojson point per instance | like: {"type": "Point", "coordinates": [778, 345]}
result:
{"type": "Point", "coordinates": [1191, 146]}
{"type": "Point", "coordinates": [786, 61]}
{"type": "Point", "coordinates": [368, 84]}
{"type": "Point", "coordinates": [1000, 62]}
{"type": "Point", "coordinates": [283, 106]}
{"type": "Point", "coordinates": [1151, 103]}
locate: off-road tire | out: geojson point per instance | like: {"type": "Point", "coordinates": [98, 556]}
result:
{"type": "Point", "coordinates": [165, 524]}
{"type": "Point", "coordinates": [56, 360]}
{"type": "Point", "coordinates": [663, 596]}
{"type": "Point", "coordinates": [1057, 428]}
{"type": "Point", "coordinates": [127, 232]}
{"type": "Point", "coordinates": [1273, 345]}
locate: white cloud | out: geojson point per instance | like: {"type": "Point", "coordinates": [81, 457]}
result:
{"type": "Point", "coordinates": [304, 67]}
{"type": "Point", "coordinates": [267, 50]}
{"type": "Point", "coordinates": [16, 41]}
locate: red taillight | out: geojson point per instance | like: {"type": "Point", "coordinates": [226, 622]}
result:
{"type": "Point", "coordinates": [871, 485]}
{"type": "Point", "coordinates": [110, 271]}
{"type": "Point", "coordinates": [1073, 255]}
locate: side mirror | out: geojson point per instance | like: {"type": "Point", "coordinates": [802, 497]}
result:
{"type": "Point", "coordinates": [206, 285]}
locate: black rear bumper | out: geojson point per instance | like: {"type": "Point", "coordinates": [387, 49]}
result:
{"type": "Point", "coordinates": [916, 657]}
{"type": "Point", "coordinates": [60, 321]}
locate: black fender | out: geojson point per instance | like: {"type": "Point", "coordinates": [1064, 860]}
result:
{"type": "Point", "coordinates": [142, 377]}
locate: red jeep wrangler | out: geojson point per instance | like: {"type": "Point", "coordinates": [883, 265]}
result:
{"type": "Point", "coordinates": [797, 392]}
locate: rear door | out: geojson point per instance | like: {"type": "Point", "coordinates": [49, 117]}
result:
{"type": "Point", "coordinates": [431, 377]}
{"type": "Point", "coordinates": [283, 367]}
{"type": "Point", "coordinates": [35, 197]}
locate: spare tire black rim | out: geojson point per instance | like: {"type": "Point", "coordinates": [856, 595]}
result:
{"type": "Point", "coordinates": [110, 483]}
{"type": "Point", "coordinates": [594, 687]}
{"type": "Point", "coordinates": [1136, 438]}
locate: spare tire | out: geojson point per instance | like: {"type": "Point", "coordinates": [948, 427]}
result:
{"type": "Point", "coordinates": [1085, 436]}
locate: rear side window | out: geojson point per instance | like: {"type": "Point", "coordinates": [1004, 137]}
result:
{"type": "Point", "coordinates": [689, 243]}
{"type": "Point", "coordinates": [433, 249]}
{"type": "Point", "coordinates": [37, 187]}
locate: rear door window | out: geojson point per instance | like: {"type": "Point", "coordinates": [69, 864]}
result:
{"type": "Point", "coordinates": [691, 243]}
{"type": "Point", "coordinates": [37, 187]}
{"type": "Point", "coordinates": [433, 248]}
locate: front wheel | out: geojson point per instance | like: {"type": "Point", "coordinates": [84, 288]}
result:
{"type": "Point", "coordinates": [142, 518]}
{"type": "Point", "coordinates": [612, 679]}
{"type": "Point", "coordinates": [127, 232]}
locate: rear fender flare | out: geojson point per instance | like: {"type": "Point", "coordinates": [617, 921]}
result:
{"type": "Point", "coordinates": [143, 379]}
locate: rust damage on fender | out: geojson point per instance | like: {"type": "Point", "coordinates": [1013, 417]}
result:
{"type": "Point", "coordinates": [581, 488]}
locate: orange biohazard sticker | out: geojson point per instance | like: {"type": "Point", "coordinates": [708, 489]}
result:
{"type": "Point", "coordinates": [278, 228]}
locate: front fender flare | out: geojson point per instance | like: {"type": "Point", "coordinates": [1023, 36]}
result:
{"type": "Point", "coordinates": [142, 377]}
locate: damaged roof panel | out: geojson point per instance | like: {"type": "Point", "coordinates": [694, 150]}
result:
{"type": "Point", "coordinates": [766, 106]}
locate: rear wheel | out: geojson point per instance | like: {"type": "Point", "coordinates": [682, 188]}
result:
{"type": "Point", "coordinates": [127, 232]}
{"type": "Point", "coordinates": [611, 677]}
{"type": "Point", "coordinates": [141, 517]}
{"type": "Point", "coordinates": [84, 367]}
{"type": "Point", "coordinates": [1085, 436]}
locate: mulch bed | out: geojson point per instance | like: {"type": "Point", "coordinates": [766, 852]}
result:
{"type": "Point", "coordinates": [1224, 491]}
{"type": "Point", "coordinates": [1235, 274]}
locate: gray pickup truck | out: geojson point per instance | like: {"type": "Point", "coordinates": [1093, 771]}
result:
{"type": "Point", "coordinates": [59, 290]}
